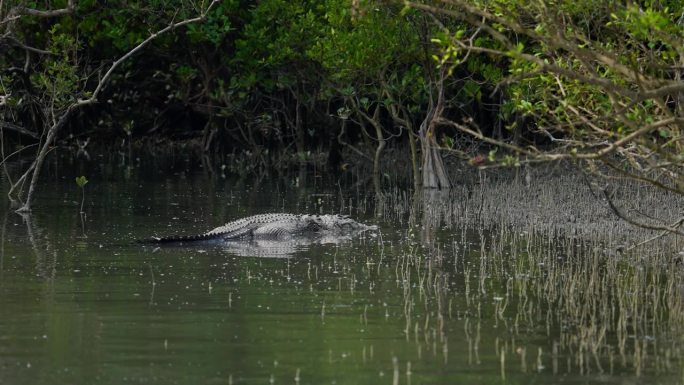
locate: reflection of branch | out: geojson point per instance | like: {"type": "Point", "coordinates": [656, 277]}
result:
{"type": "Point", "coordinates": [45, 266]}
{"type": "Point", "coordinates": [154, 284]}
{"type": "Point", "coordinates": [670, 229]}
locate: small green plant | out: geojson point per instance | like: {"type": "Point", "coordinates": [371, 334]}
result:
{"type": "Point", "coordinates": [81, 182]}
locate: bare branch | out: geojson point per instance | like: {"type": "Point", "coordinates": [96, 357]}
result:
{"type": "Point", "coordinates": [559, 41]}
{"type": "Point", "coordinates": [671, 228]}
{"type": "Point", "coordinates": [108, 74]}
{"type": "Point", "coordinates": [60, 120]}
{"type": "Point", "coordinates": [40, 13]}
{"type": "Point", "coordinates": [675, 225]}
{"type": "Point", "coordinates": [572, 155]}
{"type": "Point", "coordinates": [19, 129]}
{"type": "Point", "coordinates": [641, 178]}
{"type": "Point", "coordinates": [26, 47]}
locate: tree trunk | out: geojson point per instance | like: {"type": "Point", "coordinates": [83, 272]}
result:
{"type": "Point", "coordinates": [299, 125]}
{"type": "Point", "coordinates": [378, 150]}
{"type": "Point", "coordinates": [379, 137]}
{"type": "Point", "coordinates": [403, 119]}
{"type": "Point", "coordinates": [56, 126]}
{"type": "Point", "coordinates": [40, 158]}
{"type": "Point", "coordinates": [434, 173]}
{"type": "Point", "coordinates": [414, 158]}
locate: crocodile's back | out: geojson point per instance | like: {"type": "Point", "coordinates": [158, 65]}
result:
{"type": "Point", "coordinates": [246, 227]}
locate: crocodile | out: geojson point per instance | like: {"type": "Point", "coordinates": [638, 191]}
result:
{"type": "Point", "coordinates": [276, 226]}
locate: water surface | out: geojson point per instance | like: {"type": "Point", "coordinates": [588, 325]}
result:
{"type": "Point", "coordinates": [452, 289]}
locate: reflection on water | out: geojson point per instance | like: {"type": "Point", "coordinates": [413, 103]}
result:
{"type": "Point", "coordinates": [265, 248]}
{"type": "Point", "coordinates": [499, 281]}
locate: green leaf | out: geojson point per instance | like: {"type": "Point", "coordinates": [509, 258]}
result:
{"type": "Point", "coordinates": [81, 181]}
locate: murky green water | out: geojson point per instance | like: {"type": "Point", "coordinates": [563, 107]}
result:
{"type": "Point", "coordinates": [445, 293]}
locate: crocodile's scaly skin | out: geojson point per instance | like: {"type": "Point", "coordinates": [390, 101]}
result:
{"type": "Point", "coordinates": [275, 226]}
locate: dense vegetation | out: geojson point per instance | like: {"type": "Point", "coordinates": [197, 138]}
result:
{"type": "Point", "coordinates": [598, 82]}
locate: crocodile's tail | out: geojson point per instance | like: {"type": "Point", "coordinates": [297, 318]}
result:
{"type": "Point", "coordinates": [180, 239]}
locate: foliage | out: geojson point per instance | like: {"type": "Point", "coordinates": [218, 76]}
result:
{"type": "Point", "coordinates": [52, 84]}
{"type": "Point", "coordinates": [376, 55]}
{"type": "Point", "coordinates": [599, 79]}
{"type": "Point", "coordinates": [591, 80]}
